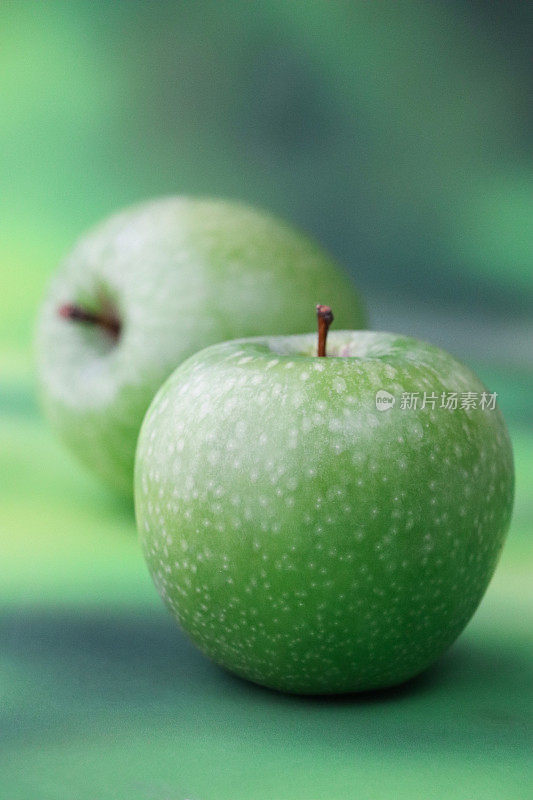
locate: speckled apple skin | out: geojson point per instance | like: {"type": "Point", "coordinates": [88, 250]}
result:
{"type": "Point", "coordinates": [305, 540]}
{"type": "Point", "coordinates": [181, 274]}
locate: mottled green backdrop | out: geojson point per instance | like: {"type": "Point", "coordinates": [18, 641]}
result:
{"type": "Point", "coordinates": [400, 134]}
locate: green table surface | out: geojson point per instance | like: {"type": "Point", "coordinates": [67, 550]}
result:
{"type": "Point", "coordinates": [103, 698]}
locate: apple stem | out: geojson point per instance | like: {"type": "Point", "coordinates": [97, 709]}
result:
{"type": "Point", "coordinates": [106, 321]}
{"type": "Point", "coordinates": [325, 318]}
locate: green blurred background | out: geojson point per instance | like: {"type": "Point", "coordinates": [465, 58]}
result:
{"type": "Point", "coordinates": [400, 134]}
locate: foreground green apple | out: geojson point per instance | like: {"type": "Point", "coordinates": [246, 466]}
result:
{"type": "Point", "coordinates": [308, 534]}
{"type": "Point", "coordinates": [153, 285]}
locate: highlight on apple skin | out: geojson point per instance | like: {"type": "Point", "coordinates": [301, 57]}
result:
{"type": "Point", "coordinates": [149, 287]}
{"type": "Point", "coordinates": [306, 537]}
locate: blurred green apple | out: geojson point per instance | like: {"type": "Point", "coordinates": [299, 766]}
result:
{"type": "Point", "coordinates": [151, 286]}
{"type": "Point", "coordinates": [322, 525]}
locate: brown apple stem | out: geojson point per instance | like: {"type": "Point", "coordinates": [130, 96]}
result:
{"type": "Point", "coordinates": [325, 318]}
{"type": "Point", "coordinates": [106, 321]}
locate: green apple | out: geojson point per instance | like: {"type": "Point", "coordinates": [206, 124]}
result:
{"type": "Point", "coordinates": [310, 528]}
{"type": "Point", "coordinates": [147, 289]}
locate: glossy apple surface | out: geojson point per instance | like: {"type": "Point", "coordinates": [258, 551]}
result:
{"type": "Point", "coordinates": [178, 274]}
{"type": "Point", "coordinates": [305, 539]}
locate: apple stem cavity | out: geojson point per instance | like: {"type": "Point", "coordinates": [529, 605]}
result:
{"type": "Point", "coordinates": [109, 322]}
{"type": "Point", "coordinates": [325, 318]}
